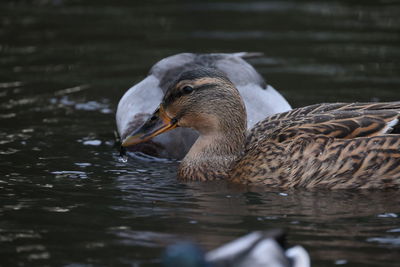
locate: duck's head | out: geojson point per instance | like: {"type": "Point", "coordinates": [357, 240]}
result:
{"type": "Point", "coordinates": [203, 99]}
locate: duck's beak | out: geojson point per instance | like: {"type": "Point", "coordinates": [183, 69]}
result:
{"type": "Point", "coordinates": [157, 124]}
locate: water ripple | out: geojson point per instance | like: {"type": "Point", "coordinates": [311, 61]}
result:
{"type": "Point", "coordinates": [70, 174]}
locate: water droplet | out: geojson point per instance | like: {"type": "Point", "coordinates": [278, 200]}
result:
{"type": "Point", "coordinates": [388, 215]}
{"type": "Point", "coordinates": [83, 164]}
{"type": "Point", "coordinates": [92, 142]}
{"type": "Point", "coordinates": [71, 174]}
{"type": "Point", "coordinates": [385, 240]}
{"type": "Point", "coordinates": [39, 256]}
{"type": "Point", "coordinates": [8, 116]}
{"type": "Point", "coordinates": [8, 151]}
{"type": "Point", "coordinates": [340, 262]}
{"type": "Point", "coordinates": [123, 159]}
{"type": "Point", "coordinates": [396, 230]}
{"type": "Point", "coordinates": [56, 209]}
{"type": "Point", "coordinates": [28, 248]}
{"type": "Point", "coordinates": [271, 217]}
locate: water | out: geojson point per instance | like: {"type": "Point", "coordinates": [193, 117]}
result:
{"type": "Point", "coordinates": [66, 199]}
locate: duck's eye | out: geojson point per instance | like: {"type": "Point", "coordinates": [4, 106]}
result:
{"type": "Point", "coordinates": [187, 89]}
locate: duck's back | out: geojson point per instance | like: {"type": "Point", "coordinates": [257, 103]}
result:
{"type": "Point", "coordinates": [326, 145]}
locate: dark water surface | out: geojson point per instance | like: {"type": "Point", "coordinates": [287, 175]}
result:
{"type": "Point", "coordinates": [66, 200]}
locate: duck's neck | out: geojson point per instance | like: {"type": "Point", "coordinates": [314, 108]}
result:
{"type": "Point", "coordinates": [212, 155]}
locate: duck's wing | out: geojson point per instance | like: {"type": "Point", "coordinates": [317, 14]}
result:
{"type": "Point", "coordinates": [329, 107]}
{"type": "Point", "coordinates": [341, 124]}
{"type": "Point", "coordinates": [355, 146]}
{"type": "Point", "coordinates": [339, 120]}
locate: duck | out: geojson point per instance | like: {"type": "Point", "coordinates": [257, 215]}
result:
{"type": "Point", "coordinates": [329, 145]}
{"type": "Point", "coordinates": [256, 249]}
{"type": "Point", "coordinates": [139, 102]}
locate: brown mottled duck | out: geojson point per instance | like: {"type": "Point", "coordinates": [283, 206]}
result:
{"type": "Point", "coordinates": [336, 146]}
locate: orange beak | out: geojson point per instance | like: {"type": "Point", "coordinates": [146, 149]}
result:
{"type": "Point", "coordinates": [158, 123]}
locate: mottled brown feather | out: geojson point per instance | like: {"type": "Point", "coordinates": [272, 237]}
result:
{"type": "Point", "coordinates": [333, 146]}
{"type": "Point", "coordinates": [340, 120]}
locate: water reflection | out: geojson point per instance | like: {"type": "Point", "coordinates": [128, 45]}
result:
{"type": "Point", "coordinates": [213, 214]}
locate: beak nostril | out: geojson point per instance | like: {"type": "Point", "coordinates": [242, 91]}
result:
{"type": "Point", "coordinates": [153, 118]}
